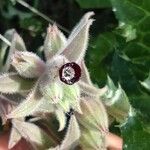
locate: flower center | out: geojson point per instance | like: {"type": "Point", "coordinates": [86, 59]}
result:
{"type": "Point", "coordinates": [70, 73]}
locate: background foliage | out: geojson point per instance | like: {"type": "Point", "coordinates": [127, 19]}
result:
{"type": "Point", "coordinates": [119, 47]}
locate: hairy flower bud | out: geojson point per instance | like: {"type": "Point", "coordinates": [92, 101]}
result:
{"type": "Point", "coordinates": [92, 139]}
{"type": "Point", "coordinates": [28, 64]}
{"type": "Point", "coordinates": [94, 115]}
{"type": "Point", "coordinates": [55, 40]}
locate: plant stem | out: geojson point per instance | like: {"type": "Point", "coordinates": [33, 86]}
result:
{"type": "Point", "coordinates": [2, 50]}
{"type": "Point", "coordinates": [5, 40]}
{"type": "Point", "coordinates": [23, 3]}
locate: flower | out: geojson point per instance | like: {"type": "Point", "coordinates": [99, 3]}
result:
{"type": "Point", "coordinates": [49, 93]}
{"type": "Point", "coordinates": [58, 85]}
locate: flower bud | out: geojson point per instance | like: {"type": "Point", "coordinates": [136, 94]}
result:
{"type": "Point", "coordinates": [54, 41]}
{"type": "Point", "coordinates": [92, 139]}
{"type": "Point", "coordinates": [28, 64]}
{"type": "Point", "coordinates": [93, 115]}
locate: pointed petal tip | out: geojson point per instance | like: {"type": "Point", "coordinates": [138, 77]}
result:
{"type": "Point", "coordinates": [90, 21]}
{"type": "Point", "coordinates": [89, 14]}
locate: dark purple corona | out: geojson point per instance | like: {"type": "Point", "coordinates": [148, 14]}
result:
{"type": "Point", "coordinates": [70, 73]}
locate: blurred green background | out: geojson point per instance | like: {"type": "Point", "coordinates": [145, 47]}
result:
{"type": "Point", "coordinates": [119, 47]}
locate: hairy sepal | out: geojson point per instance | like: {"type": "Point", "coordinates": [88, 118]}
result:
{"type": "Point", "coordinates": [32, 133]}
{"type": "Point", "coordinates": [77, 42]}
{"type": "Point", "coordinates": [6, 106]}
{"type": "Point", "coordinates": [32, 105]}
{"type": "Point", "coordinates": [94, 115]}
{"type": "Point", "coordinates": [52, 92]}
{"type": "Point", "coordinates": [13, 83]}
{"type": "Point", "coordinates": [85, 76]}
{"type": "Point", "coordinates": [17, 44]}
{"type": "Point", "coordinates": [54, 41]}
{"type": "Point", "coordinates": [88, 90]}
{"type": "Point", "coordinates": [28, 64]}
{"type": "Point", "coordinates": [14, 138]}
{"type": "Point", "coordinates": [92, 139]}
{"type": "Point", "coordinates": [71, 98]}
{"type": "Point", "coordinates": [61, 117]}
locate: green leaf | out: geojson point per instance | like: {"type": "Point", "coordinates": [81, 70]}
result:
{"type": "Point", "coordinates": [146, 82]}
{"type": "Point", "coordinates": [131, 11]}
{"type": "Point", "coordinates": [128, 32]}
{"type": "Point", "coordinates": [136, 133]}
{"type": "Point", "coordinates": [94, 3]}
{"type": "Point", "coordinates": [117, 102]}
{"type": "Point", "coordinates": [96, 58]}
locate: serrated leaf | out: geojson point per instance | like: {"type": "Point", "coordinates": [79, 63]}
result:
{"type": "Point", "coordinates": [13, 83]}
{"type": "Point", "coordinates": [77, 42]}
{"type": "Point", "coordinates": [116, 101]}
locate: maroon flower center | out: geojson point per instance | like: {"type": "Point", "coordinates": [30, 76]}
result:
{"type": "Point", "coordinates": [70, 73]}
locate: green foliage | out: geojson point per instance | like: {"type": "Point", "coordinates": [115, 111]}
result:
{"type": "Point", "coordinates": [124, 55]}
{"type": "Point", "coordinates": [122, 52]}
